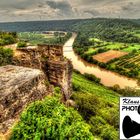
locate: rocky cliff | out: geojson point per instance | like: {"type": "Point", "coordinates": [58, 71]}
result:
{"type": "Point", "coordinates": [48, 58]}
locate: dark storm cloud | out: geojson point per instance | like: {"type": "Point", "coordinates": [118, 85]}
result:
{"type": "Point", "coordinates": [59, 4]}
{"type": "Point", "coordinates": [128, 7]}
{"type": "Point", "coordinates": [64, 6]}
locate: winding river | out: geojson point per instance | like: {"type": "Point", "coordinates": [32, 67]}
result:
{"type": "Point", "coordinates": [108, 78]}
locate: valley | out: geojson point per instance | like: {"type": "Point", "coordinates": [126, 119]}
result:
{"type": "Point", "coordinates": [63, 79]}
{"type": "Point", "coordinates": [107, 77]}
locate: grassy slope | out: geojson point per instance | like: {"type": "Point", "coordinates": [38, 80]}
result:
{"type": "Point", "coordinates": [93, 88]}
{"type": "Point", "coordinates": [99, 106]}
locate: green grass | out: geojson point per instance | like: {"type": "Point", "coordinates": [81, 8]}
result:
{"type": "Point", "coordinates": [132, 47]}
{"type": "Point", "coordinates": [127, 47]}
{"type": "Point", "coordinates": [136, 33]}
{"type": "Point", "coordinates": [90, 51]}
{"type": "Point", "coordinates": [108, 45]}
{"type": "Point", "coordinates": [114, 45]}
{"type": "Point", "coordinates": [95, 40]}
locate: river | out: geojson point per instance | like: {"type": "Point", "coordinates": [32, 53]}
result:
{"type": "Point", "coordinates": [107, 77]}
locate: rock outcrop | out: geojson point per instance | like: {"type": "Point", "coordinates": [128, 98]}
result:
{"type": "Point", "coordinates": [48, 58]}
{"type": "Point", "coordinates": [59, 74]}
{"type": "Point", "coordinates": [19, 87]}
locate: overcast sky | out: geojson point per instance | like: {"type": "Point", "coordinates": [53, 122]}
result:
{"type": "Point", "coordinates": [23, 10]}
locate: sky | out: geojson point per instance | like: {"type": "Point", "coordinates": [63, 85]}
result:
{"type": "Point", "coordinates": [30, 10]}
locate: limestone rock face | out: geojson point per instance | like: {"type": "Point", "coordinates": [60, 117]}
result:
{"type": "Point", "coordinates": [18, 87]}
{"type": "Point", "coordinates": [59, 74]}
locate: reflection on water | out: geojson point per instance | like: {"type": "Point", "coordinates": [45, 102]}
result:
{"type": "Point", "coordinates": [108, 78]}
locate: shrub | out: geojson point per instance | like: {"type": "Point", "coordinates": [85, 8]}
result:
{"type": "Point", "coordinates": [57, 90]}
{"type": "Point", "coordinates": [99, 114]}
{"type": "Point", "coordinates": [49, 119]}
{"type": "Point", "coordinates": [96, 123]}
{"type": "Point", "coordinates": [111, 115]}
{"type": "Point", "coordinates": [109, 133]}
{"type": "Point", "coordinates": [127, 91]}
{"type": "Point", "coordinates": [75, 87]}
{"type": "Point", "coordinates": [76, 71]}
{"type": "Point", "coordinates": [92, 77]}
{"type": "Point", "coordinates": [88, 104]}
{"type": "Point", "coordinates": [21, 44]}
{"type": "Point", "coordinates": [6, 39]}
{"type": "Point", "coordinates": [6, 56]}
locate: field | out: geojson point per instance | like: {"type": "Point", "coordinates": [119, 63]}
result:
{"type": "Point", "coordinates": [35, 38]}
{"type": "Point", "coordinates": [109, 55]}
{"type": "Point", "coordinates": [130, 64]}
{"type": "Point", "coordinates": [122, 58]}
{"type": "Point", "coordinates": [97, 105]}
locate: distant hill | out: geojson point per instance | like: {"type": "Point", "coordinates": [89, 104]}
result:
{"type": "Point", "coordinates": [96, 24]}
{"type": "Point", "coordinates": [63, 25]}
{"type": "Point", "coordinates": [120, 30]}
{"type": "Point", "coordinates": [137, 21]}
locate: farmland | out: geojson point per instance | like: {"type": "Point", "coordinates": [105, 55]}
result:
{"type": "Point", "coordinates": [123, 58]}
{"type": "Point", "coordinates": [108, 56]}
{"type": "Point", "coordinates": [34, 38]}
{"type": "Point", "coordinates": [111, 44]}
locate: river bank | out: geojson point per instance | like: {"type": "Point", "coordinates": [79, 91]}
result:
{"type": "Point", "coordinates": [107, 77]}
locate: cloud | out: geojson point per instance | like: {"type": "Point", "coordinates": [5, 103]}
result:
{"type": "Point", "coordinates": [15, 10]}
{"type": "Point", "coordinates": [93, 13]}
{"type": "Point", "coordinates": [64, 7]}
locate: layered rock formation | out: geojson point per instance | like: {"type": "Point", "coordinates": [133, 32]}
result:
{"type": "Point", "coordinates": [48, 58]}
{"type": "Point", "coordinates": [59, 74]}
{"type": "Point", "coordinates": [19, 87]}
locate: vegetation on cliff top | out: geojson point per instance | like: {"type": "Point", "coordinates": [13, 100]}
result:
{"type": "Point", "coordinates": [7, 38]}
{"type": "Point", "coordinates": [49, 119]}
{"type": "Point", "coordinates": [6, 56]}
